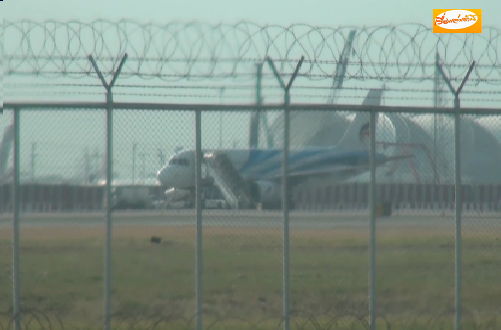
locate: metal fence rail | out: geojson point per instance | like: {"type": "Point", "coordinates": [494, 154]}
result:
{"type": "Point", "coordinates": [292, 316]}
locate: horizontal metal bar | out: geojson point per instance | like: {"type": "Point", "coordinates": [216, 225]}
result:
{"type": "Point", "coordinates": [243, 107]}
{"type": "Point", "coordinates": [56, 105]}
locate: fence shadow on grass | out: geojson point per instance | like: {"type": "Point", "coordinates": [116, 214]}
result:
{"type": "Point", "coordinates": [300, 320]}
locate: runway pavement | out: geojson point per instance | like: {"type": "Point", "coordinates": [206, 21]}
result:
{"type": "Point", "coordinates": [266, 219]}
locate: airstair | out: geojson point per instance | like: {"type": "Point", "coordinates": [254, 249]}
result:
{"type": "Point", "coordinates": [228, 180]}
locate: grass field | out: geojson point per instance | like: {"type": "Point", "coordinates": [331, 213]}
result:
{"type": "Point", "coordinates": [154, 284]}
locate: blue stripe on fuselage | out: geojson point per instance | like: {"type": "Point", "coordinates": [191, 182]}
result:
{"type": "Point", "coordinates": [257, 157]}
{"type": "Point", "coordinates": [329, 160]}
{"type": "Point", "coordinates": [257, 165]}
{"type": "Point", "coordinates": [264, 161]}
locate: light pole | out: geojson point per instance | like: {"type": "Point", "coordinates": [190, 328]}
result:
{"type": "Point", "coordinates": [134, 151]}
{"type": "Point", "coordinates": [33, 156]}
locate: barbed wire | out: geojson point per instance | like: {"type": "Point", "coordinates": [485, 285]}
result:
{"type": "Point", "coordinates": [197, 50]}
{"type": "Point", "coordinates": [230, 87]}
{"type": "Point", "coordinates": [235, 96]}
{"type": "Point", "coordinates": [299, 320]}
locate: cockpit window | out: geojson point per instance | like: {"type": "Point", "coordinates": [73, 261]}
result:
{"type": "Point", "coordinates": [179, 161]}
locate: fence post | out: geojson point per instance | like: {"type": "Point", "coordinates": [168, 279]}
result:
{"type": "Point", "coordinates": [198, 201]}
{"type": "Point", "coordinates": [109, 185]}
{"type": "Point", "coordinates": [109, 208]}
{"type": "Point", "coordinates": [17, 210]}
{"type": "Point", "coordinates": [459, 206]}
{"type": "Point", "coordinates": [285, 205]}
{"type": "Point", "coordinates": [285, 187]}
{"type": "Point", "coordinates": [372, 222]}
{"type": "Point", "coordinates": [457, 194]}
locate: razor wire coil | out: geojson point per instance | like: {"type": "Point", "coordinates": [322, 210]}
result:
{"type": "Point", "coordinates": [197, 50]}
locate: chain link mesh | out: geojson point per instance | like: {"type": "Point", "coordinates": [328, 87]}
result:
{"type": "Point", "coordinates": [245, 274]}
{"type": "Point", "coordinates": [6, 230]}
{"type": "Point", "coordinates": [154, 231]}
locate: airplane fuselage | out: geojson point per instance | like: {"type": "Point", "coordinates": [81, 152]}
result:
{"type": "Point", "coordinates": [261, 164]}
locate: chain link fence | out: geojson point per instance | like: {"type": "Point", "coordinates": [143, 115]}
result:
{"type": "Point", "coordinates": [175, 214]}
{"type": "Point", "coordinates": [165, 266]}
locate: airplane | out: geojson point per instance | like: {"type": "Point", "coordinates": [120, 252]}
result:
{"type": "Point", "coordinates": [262, 168]}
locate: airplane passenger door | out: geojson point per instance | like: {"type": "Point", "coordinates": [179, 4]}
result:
{"type": "Point", "coordinates": [204, 171]}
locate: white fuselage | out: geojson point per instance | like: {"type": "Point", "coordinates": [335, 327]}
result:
{"type": "Point", "coordinates": [180, 171]}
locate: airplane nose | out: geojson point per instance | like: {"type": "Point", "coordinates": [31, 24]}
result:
{"type": "Point", "coordinates": [163, 176]}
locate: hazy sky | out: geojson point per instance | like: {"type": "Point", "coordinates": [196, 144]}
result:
{"type": "Point", "coordinates": [314, 12]}
{"type": "Point", "coordinates": [318, 13]}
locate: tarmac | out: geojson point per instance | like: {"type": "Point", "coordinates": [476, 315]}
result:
{"type": "Point", "coordinates": [250, 218]}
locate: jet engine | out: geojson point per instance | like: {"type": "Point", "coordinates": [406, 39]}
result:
{"type": "Point", "coordinates": [267, 193]}
{"type": "Point", "coordinates": [174, 195]}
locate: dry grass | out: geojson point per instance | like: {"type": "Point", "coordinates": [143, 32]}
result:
{"type": "Point", "coordinates": [189, 232]}
{"type": "Point", "coordinates": [62, 272]}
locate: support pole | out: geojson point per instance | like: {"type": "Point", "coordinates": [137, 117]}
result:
{"type": "Point", "coordinates": [259, 100]}
{"type": "Point", "coordinates": [17, 210]}
{"type": "Point", "coordinates": [33, 156]}
{"type": "Point", "coordinates": [285, 188]}
{"type": "Point", "coordinates": [198, 201]}
{"type": "Point", "coordinates": [109, 206]}
{"type": "Point", "coordinates": [134, 155]}
{"type": "Point", "coordinates": [221, 92]}
{"type": "Point", "coordinates": [436, 104]}
{"type": "Point", "coordinates": [285, 205]}
{"type": "Point", "coordinates": [458, 195]}
{"type": "Point", "coordinates": [372, 224]}
{"type": "Point", "coordinates": [458, 209]}
{"type": "Point", "coordinates": [109, 185]}
{"type": "Point", "coordinates": [255, 119]}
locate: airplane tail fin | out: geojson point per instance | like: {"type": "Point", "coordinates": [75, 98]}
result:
{"type": "Point", "coordinates": [357, 134]}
